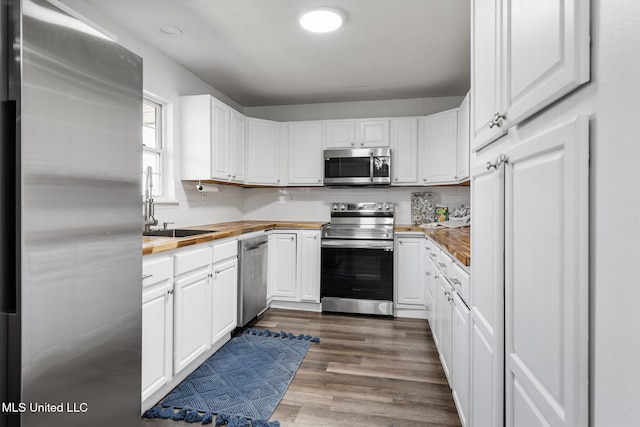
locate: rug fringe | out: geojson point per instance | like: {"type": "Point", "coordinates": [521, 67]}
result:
{"type": "Point", "coordinates": [193, 416]}
{"type": "Point", "coordinates": [281, 334]}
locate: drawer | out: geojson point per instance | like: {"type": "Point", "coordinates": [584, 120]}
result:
{"type": "Point", "coordinates": [225, 250]}
{"type": "Point", "coordinates": [191, 259]}
{"type": "Point", "coordinates": [445, 264]}
{"type": "Point", "coordinates": [433, 252]}
{"type": "Point", "coordinates": [157, 269]}
{"type": "Point", "coordinates": [461, 281]}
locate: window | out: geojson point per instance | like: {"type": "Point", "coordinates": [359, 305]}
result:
{"type": "Point", "coordinates": [152, 146]}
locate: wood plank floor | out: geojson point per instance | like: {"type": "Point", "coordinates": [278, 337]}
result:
{"type": "Point", "coordinates": [366, 371]}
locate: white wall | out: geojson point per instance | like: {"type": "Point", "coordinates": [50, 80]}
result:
{"type": "Point", "coordinates": [167, 80]}
{"type": "Point", "coordinates": [615, 201]}
{"type": "Point", "coordinates": [312, 204]}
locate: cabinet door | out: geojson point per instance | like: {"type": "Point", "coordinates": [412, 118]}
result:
{"type": "Point", "coordinates": [263, 152]}
{"type": "Point", "coordinates": [225, 298]}
{"type": "Point", "coordinates": [460, 358]}
{"type": "Point", "coordinates": [220, 121]}
{"type": "Point", "coordinates": [441, 147]}
{"type": "Point", "coordinates": [486, 68]}
{"type": "Point", "coordinates": [192, 322]}
{"type": "Point", "coordinates": [463, 140]}
{"type": "Point", "coordinates": [340, 134]}
{"type": "Point", "coordinates": [444, 293]}
{"type": "Point", "coordinates": [282, 266]}
{"type": "Point", "coordinates": [487, 296]}
{"type": "Point", "coordinates": [238, 147]}
{"type": "Point", "coordinates": [305, 153]}
{"type": "Point", "coordinates": [409, 271]}
{"type": "Point", "coordinates": [195, 137]}
{"type": "Point", "coordinates": [372, 133]}
{"type": "Point", "coordinates": [157, 336]}
{"type": "Point", "coordinates": [546, 53]}
{"type": "Point", "coordinates": [430, 283]}
{"type": "Point", "coordinates": [546, 268]}
{"type": "Point", "coordinates": [310, 266]}
{"type": "Point", "coordinates": [404, 146]}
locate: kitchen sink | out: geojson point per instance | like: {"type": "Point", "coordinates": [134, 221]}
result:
{"type": "Point", "coordinates": [176, 233]}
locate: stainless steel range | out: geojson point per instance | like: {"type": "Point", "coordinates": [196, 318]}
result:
{"type": "Point", "coordinates": [357, 259]}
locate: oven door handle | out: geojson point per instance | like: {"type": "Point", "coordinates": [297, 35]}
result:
{"type": "Point", "coordinates": [385, 245]}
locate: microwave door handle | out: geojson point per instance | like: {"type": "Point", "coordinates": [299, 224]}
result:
{"type": "Point", "coordinates": [371, 165]}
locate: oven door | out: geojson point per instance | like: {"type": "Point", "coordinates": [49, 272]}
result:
{"type": "Point", "coordinates": [357, 269]}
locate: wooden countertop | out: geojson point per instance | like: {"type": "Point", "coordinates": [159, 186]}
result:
{"type": "Point", "coordinates": [456, 241]}
{"type": "Point", "coordinates": [153, 245]}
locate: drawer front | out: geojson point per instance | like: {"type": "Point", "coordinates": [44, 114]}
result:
{"type": "Point", "coordinates": [461, 281]}
{"type": "Point", "coordinates": [433, 252]}
{"type": "Point", "coordinates": [191, 260]}
{"type": "Point", "coordinates": [222, 251]}
{"type": "Point", "coordinates": [155, 270]}
{"type": "Point", "coordinates": [445, 264]}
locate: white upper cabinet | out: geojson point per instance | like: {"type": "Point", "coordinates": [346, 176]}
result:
{"type": "Point", "coordinates": [369, 133]}
{"type": "Point", "coordinates": [439, 156]}
{"type": "Point", "coordinates": [221, 141]}
{"type": "Point", "coordinates": [463, 140]}
{"type": "Point", "coordinates": [524, 56]}
{"type": "Point", "coordinates": [340, 134]}
{"type": "Point", "coordinates": [305, 153]}
{"type": "Point", "coordinates": [546, 53]}
{"type": "Point", "coordinates": [237, 164]}
{"type": "Point", "coordinates": [404, 146]}
{"type": "Point", "coordinates": [212, 140]}
{"type": "Point", "coordinates": [486, 87]}
{"type": "Point", "coordinates": [263, 152]}
{"type": "Point", "coordinates": [372, 133]}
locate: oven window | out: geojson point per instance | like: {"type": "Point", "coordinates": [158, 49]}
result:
{"type": "Point", "coordinates": [347, 167]}
{"type": "Point", "coordinates": [357, 273]}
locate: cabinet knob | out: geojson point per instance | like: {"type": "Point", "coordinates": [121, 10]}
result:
{"type": "Point", "coordinates": [319, 181]}
{"type": "Point", "coordinates": [424, 179]}
{"type": "Point", "coordinates": [278, 180]}
{"type": "Point", "coordinates": [292, 238]}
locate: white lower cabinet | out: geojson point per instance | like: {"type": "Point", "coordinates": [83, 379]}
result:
{"type": "Point", "coordinates": [309, 266]}
{"type": "Point", "coordinates": [225, 297]}
{"type": "Point", "coordinates": [443, 315]}
{"type": "Point", "coordinates": [157, 323]}
{"type": "Point", "coordinates": [460, 358]}
{"type": "Point", "coordinates": [294, 266]}
{"type": "Point", "coordinates": [529, 290]}
{"type": "Point", "coordinates": [409, 267]}
{"type": "Point", "coordinates": [192, 293]}
{"type": "Point", "coordinates": [282, 262]}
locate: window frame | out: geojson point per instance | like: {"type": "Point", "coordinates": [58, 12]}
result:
{"type": "Point", "coordinates": [159, 150]}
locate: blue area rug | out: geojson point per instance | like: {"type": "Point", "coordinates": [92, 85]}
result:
{"type": "Point", "coordinates": [246, 378]}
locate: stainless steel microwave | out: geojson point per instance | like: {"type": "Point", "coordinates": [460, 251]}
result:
{"type": "Point", "coordinates": [357, 167]}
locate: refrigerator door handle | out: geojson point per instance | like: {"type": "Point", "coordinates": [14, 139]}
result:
{"type": "Point", "coordinates": [9, 227]}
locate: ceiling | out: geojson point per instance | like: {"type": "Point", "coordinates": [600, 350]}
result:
{"type": "Point", "coordinates": [255, 52]}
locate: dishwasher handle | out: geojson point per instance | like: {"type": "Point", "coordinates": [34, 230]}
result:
{"type": "Point", "coordinates": [247, 247]}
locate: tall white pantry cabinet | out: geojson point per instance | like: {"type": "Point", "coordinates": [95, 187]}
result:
{"type": "Point", "coordinates": [529, 198]}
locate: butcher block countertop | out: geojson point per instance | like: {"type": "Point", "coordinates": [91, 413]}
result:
{"type": "Point", "coordinates": [456, 241]}
{"type": "Point", "coordinates": [153, 245]}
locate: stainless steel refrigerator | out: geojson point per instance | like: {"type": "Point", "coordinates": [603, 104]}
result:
{"type": "Point", "coordinates": [70, 225]}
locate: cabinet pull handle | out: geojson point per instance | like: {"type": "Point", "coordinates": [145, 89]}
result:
{"type": "Point", "coordinates": [447, 293]}
{"type": "Point", "coordinates": [456, 282]}
{"type": "Point", "coordinates": [450, 299]}
{"type": "Point", "coordinates": [442, 264]}
{"type": "Point", "coordinates": [428, 273]}
{"type": "Point", "coordinates": [146, 276]}
{"type": "Point", "coordinates": [496, 120]}
{"type": "Point", "coordinates": [170, 292]}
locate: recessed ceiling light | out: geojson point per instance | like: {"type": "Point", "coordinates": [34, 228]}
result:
{"type": "Point", "coordinates": [321, 20]}
{"type": "Point", "coordinates": [170, 30]}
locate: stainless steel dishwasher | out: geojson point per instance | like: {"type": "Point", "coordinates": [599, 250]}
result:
{"type": "Point", "coordinates": [252, 280]}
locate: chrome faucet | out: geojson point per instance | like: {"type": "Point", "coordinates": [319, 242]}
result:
{"type": "Point", "coordinates": [149, 219]}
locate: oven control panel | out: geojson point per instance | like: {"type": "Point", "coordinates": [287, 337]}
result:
{"type": "Point", "coordinates": [362, 207]}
